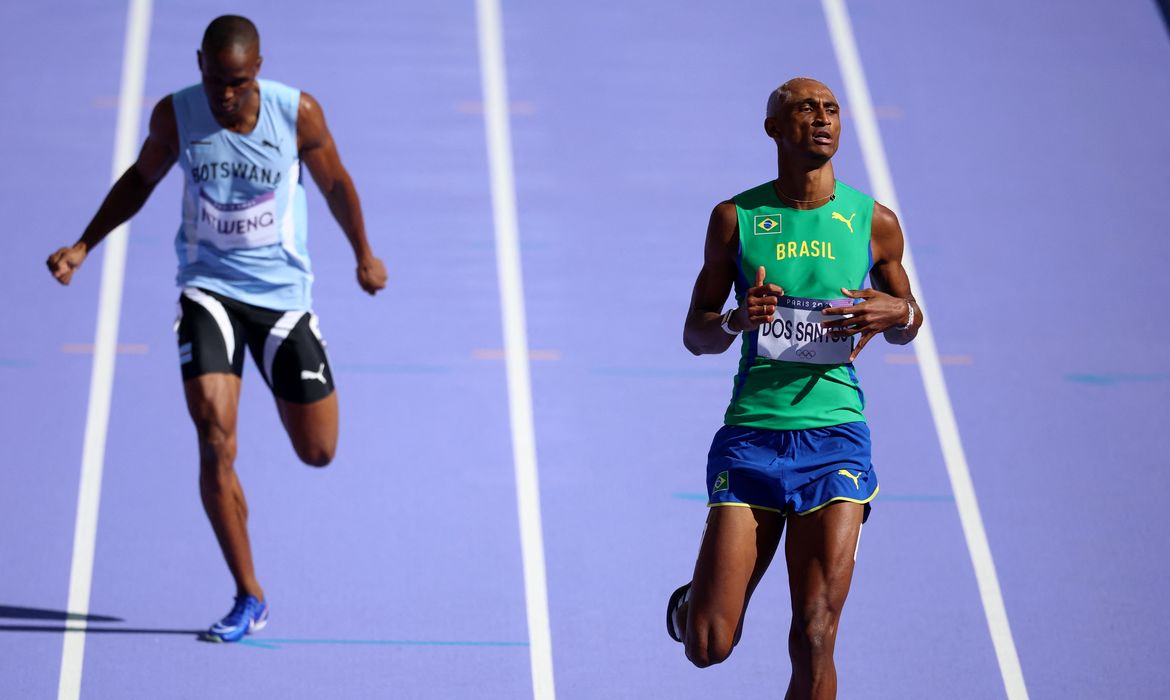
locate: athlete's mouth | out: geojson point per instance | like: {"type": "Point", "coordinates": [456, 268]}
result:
{"type": "Point", "coordinates": [822, 137]}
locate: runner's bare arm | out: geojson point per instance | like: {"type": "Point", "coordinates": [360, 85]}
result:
{"type": "Point", "coordinates": [702, 333]}
{"type": "Point", "coordinates": [319, 153]}
{"type": "Point", "coordinates": [886, 305]}
{"type": "Point", "coordinates": [159, 152]}
{"type": "Point", "coordinates": [888, 275]}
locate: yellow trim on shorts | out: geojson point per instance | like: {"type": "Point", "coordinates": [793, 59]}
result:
{"type": "Point", "coordinates": [746, 505]}
{"type": "Point", "coordinates": [842, 498]}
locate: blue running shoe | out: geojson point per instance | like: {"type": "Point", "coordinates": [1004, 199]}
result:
{"type": "Point", "coordinates": [248, 615]}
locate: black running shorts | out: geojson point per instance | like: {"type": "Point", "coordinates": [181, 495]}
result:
{"type": "Point", "coordinates": [285, 345]}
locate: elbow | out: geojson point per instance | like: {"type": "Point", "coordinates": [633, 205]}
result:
{"type": "Point", "coordinates": [901, 337]}
{"type": "Point", "coordinates": [689, 343]}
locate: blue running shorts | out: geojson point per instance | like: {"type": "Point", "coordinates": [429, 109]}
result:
{"type": "Point", "coordinates": [791, 471]}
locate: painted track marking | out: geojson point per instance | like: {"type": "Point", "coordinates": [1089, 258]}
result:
{"type": "Point", "coordinates": [101, 383]}
{"type": "Point", "coordinates": [503, 187]}
{"type": "Point", "coordinates": [857, 90]}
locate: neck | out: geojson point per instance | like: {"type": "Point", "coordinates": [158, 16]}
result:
{"type": "Point", "coordinates": [245, 121]}
{"type": "Point", "coordinates": [805, 185]}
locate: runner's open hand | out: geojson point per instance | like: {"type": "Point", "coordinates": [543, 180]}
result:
{"type": "Point", "coordinates": [63, 263]}
{"type": "Point", "coordinates": [759, 305]}
{"type": "Point", "coordinates": [876, 313]}
{"type": "Point", "coordinates": [371, 274]}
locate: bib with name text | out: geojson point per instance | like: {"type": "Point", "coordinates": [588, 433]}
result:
{"type": "Point", "coordinates": [795, 333]}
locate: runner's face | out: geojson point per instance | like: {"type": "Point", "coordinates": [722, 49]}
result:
{"type": "Point", "coordinates": [808, 121]}
{"type": "Point", "coordinates": [229, 80]}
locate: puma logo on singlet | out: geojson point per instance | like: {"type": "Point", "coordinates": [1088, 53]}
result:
{"type": "Point", "coordinates": [848, 222]}
{"type": "Point", "coordinates": [319, 375]}
{"type": "Point", "coordinates": [846, 472]}
{"type": "Point", "coordinates": [266, 142]}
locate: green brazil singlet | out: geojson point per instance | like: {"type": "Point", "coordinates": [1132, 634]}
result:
{"type": "Point", "coordinates": [811, 254]}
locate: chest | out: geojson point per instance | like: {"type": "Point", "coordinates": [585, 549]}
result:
{"type": "Point", "coordinates": [234, 167]}
{"type": "Point", "coordinates": [810, 253]}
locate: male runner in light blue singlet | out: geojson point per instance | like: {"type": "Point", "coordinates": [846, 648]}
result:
{"type": "Point", "coordinates": [243, 269]}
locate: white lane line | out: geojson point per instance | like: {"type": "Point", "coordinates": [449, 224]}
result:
{"type": "Point", "coordinates": [499, 143]}
{"type": "Point", "coordinates": [105, 341]}
{"type": "Point", "coordinates": [857, 90]}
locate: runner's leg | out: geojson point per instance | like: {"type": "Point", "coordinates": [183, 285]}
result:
{"type": "Point", "coordinates": [290, 352]}
{"type": "Point", "coordinates": [312, 428]}
{"type": "Point", "coordinates": [737, 547]}
{"type": "Point", "coordinates": [820, 552]}
{"type": "Point", "coordinates": [213, 402]}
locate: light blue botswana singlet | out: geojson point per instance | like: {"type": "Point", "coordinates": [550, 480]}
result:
{"type": "Point", "coordinates": [244, 229]}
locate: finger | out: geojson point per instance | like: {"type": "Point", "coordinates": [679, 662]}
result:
{"type": "Point", "coordinates": [762, 308]}
{"type": "Point", "coordinates": [775, 289]}
{"type": "Point", "coordinates": [840, 323]}
{"type": "Point", "coordinates": [843, 333]}
{"type": "Point", "coordinates": [857, 293]}
{"type": "Point", "coordinates": [855, 309]}
{"type": "Point", "coordinates": [760, 276]}
{"type": "Point", "coordinates": [861, 344]}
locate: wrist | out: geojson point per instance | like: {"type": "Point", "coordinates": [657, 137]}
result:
{"type": "Point", "coordinates": [909, 317]}
{"type": "Point", "coordinates": [727, 321]}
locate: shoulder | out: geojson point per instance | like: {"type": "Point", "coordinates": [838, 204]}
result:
{"type": "Point", "coordinates": [725, 211]}
{"type": "Point", "coordinates": [885, 221]}
{"type": "Point", "coordinates": [187, 93]}
{"type": "Point", "coordinates": [285, 99]}
{"type": "Point", "coordinates": [844, 188]}
{"type": "Point", "coordinates": [180, 102]}
{"type": "Point", "coordinates": [723, 228]}
{"type": "Point", "coordinates": [278, 90]}
{"type": "Point", "coordinates": [310, 117]}
{"type": "Point", "coordinates": [163, 121]}
{"type": "Point", "coordinates": [757, 196]}
{"type": "Point", "coordinates": [308, 106]}
{"type": "Point", "coordinates": [886, 234]}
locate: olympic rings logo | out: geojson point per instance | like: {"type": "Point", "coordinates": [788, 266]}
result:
{"type": "Point", "coordinates": [806, 354]}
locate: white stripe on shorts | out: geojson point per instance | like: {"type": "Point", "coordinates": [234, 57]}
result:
{"type": "Point", "coordinates": [276, 337]}
{"type": "Point", "coordinates": [215, 308]}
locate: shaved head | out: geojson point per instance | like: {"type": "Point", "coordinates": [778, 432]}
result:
{"type": "Point", "coordinates": [781, 94]}
{"type": "Point", "coordinates": [230, 32]}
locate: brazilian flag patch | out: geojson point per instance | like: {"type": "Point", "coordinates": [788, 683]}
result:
{"type": "Point", "coordinates": [765, 224]}
{"type": "Point", "coordinates": [720, 483]}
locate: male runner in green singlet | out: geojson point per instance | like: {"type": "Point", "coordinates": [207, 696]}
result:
{"type": "Point", "coordinates": [795, 446]}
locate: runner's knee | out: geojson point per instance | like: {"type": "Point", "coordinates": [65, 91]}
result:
{"type": "Point", "coordinates": [217, 447]}
{"type": "Point", "coordinates": [710, 643]}
{"type": "Point", "coordinates": [814, 630]}
{"type": "Point", "coordinates": [316, 454]}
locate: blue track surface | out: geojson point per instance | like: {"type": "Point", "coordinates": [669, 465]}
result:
{"type": "Point", "coordinates": [1032, 164]}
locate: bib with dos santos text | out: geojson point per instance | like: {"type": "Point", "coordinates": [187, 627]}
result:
{"type": "Point", "coordinates": [792, 375]}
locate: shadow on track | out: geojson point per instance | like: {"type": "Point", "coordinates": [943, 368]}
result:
{"type": "Point", "coordinates": [11, 612]}
{"type": "Point", "coordinates": [17, 613]}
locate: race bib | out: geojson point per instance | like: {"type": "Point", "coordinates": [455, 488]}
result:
{"type": "Point", "coordinates": [795, 333]}
{"type": "Point", "coordinates": [250, 224]}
